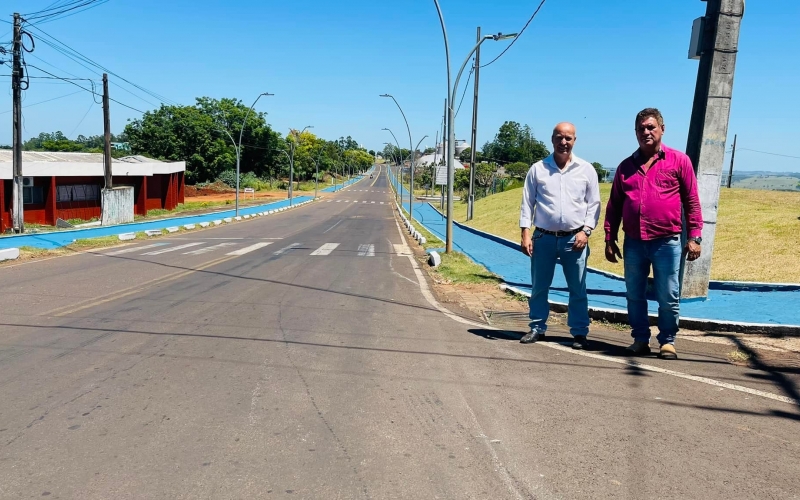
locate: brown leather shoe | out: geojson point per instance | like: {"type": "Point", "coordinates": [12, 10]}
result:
{"type": "Point", "coordinates": [668, 352]}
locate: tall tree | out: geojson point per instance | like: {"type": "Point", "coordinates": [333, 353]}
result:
{"type": "Point", "coordinates": [515, 143]}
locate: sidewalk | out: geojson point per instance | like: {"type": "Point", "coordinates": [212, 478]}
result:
{"type": "Point", "coordinates": [58, 239]}
{"type": "Point", "coordinates": [732, 305]}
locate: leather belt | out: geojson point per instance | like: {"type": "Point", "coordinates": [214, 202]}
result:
{"type": "Point", "coordinates": [559, 234]}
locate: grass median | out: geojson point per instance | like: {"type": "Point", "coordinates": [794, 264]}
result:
{"type": "Point", "coordinates": [755, 241]}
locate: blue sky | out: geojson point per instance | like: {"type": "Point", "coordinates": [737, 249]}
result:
{"type": "Point", "coordinates": [593, 63]}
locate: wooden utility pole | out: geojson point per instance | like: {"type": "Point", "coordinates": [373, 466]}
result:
{"type": "Point", "coordinates": [17, 210]}
{"type": "Point", "coordinates": [474, 138]}
{"type": "Point", "coordinates": [733, 155]}
{"type": "Point", "coordinates": [107, 134]}
{"type": "Point", "coordinates": [708, 128]}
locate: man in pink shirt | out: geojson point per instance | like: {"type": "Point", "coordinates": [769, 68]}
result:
{"type": "Point", "coordinates": [650, 189]}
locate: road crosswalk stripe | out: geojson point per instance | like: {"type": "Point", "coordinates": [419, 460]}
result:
{"type": "Point", "coordinates": [136, 249]}
{"type": "Point", "coordinates": [174, 249]}
{"type": "Point", "coordinates": [286, 249]}
{"type": "Point", "coordinates": [249, 249]}
{"type": "Point", "coordinates": [366, 250]}
{"type": "Point", "coordinates": [201, 251]}
{"type": "Point", "coordinates": [325, 249]}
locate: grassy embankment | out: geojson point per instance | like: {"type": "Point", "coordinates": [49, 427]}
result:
{"type": "Point", "coordinates": [756, 232]}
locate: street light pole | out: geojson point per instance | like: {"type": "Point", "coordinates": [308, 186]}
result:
{"type": "Point", "coordinates": [413, 166]}
{"type": "Point", "coordinates": [413, 156]}
{"type": "Point", "coordinates": [399, 164]}
{"type": "Point", "coordinates": [291, 165]}
{"type": "Point", "coordinates": [239, 149]}
{"type": "Point", "coordinates": [451, 97]}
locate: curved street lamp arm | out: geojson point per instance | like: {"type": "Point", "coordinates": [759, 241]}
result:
{"type": "Point", "coordinates": [248, 114]}
{"type": "Point", "coordinates": [461, 70]}
{"type": "Point", "coordinates": [446, 49]}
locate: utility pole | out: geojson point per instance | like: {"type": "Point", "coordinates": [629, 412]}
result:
{"type": "Point", "coordinates": [471, 199]}
{"type": "Point", "coordinates": [18, 217]}
{"type": "Point", "coordinates": [444, 149]}
{"type": "Point", "coordinates": [708, 128]}
{"type": "Point", "coordinates": [107, 134]}
{"type": "Point", "coordinates": [733, 155]}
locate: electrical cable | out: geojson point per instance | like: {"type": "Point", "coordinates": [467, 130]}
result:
{"type": "Point", "coordinates": [93, 91]}
{"type": "Point", "coordinates": [768, 153]}
{"type": "Point", "coordinates": [518, 35]}
{"type": "Point", "coordinates": [84, 117]}
{"type": "Point", "coordinates": [51, 14]}
{"type": "Point", "coordinates": [42, 102]}
{"type": "Point", "coordinates": [466, 86]}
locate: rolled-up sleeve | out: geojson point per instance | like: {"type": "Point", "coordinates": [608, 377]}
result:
{"type": "Point", "coordinates": [528, 199]}
{"type": "Point", "coordinates": [614, 207]}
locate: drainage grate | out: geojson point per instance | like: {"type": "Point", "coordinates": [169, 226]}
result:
{"type": "Point", "coordinates": [508, 320]}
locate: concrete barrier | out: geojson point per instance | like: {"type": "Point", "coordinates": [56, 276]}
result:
{"type": "Point", "coordinates": [153, 232]}
{"type": "Point", "coordinates": [422, 240]}
{"type": "Point", "coordinates": [189, 226]}
{"type": "Point", "coordinates": [173, 229]}
{"type": "Point", "coordinates": [9, 254]}
{"type": "Point", "coordinates": [205, 224]}
{"type": "Point", "coordinates": [434, 259]}
{"type": "Point", "coordinates": [227, 220]}
{"type": "Point", "coordinates": [237, 218]}
{"type": "Point", "coordinates": [246, 217]}
{"type": "Point", "coordinates": [126, 236]}
{"type": "Point", "coordinates": [217, 222]}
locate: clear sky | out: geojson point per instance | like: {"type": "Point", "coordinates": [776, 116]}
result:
{"type": "Point", "coordinates": [595, 63]}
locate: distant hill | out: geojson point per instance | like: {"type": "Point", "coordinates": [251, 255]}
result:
{"type": "Point", "coordinates": [754, 179]}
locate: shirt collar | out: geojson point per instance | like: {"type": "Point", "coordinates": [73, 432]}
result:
{"type": "Point", "coordinates": [661, 153]}
{"type": "Point", "coordinates": [551, 160]}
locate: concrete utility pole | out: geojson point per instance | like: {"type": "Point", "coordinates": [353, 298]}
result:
{"type": "Point", "coordinates": [474, 139]}
{"type": "Point", "coordinates": [17, 210]}
{"type": "Point", "coordinates": [708, 128]}
{"type": "Point", "coordinates": [733, 155]}
{"type": "Point", "coordinates": [107, 134]}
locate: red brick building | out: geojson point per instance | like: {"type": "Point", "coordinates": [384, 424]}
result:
{"type": "Point", "coordinates": [68, 185]}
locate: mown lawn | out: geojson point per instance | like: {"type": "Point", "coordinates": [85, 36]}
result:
{"type": "Point", "coordinates": [757, 232]}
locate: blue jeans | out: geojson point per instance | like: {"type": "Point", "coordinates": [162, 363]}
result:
{"type": "Point", "coordinates": [664, 255]}
{"type": "Point", "coordinates": [546, 250]}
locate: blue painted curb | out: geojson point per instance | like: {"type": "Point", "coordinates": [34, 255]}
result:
{"type": "Point", "coordinates": [58, 239]}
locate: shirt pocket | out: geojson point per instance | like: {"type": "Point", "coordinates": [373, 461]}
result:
{"type": "Point", "coordinates": [667, 179]}
{"type": "Point", "coordinates": [576, 188]}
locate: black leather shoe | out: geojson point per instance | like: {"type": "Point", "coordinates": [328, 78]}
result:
{"type": "Point", "coordinates": [580, 343]}
{"type": "Point", "coordinates": [532, 336]}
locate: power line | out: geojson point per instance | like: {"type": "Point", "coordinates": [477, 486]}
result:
{"type": "Point", "coordinates": [76, 56]}
{"type": "Point", "coordinates": [42, 102]}
{"type": "Point", "coordinates": [517, 37]}
{"type": "Point", "coordinates": [768, 153]}
{"type": "Point", "coordinates": [466, 86]}
{"type": "Point", "coordinates": [52, 13]}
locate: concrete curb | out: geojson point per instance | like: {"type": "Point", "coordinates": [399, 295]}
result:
{"type": "Point", "coordinates": [189, 226]}
{"type": "Point", "coordinates": [173, 229]}
{"type": "Point", "coordinates": [9, 254]}
{"type": "Point", "coordinates": [153, 232]}
{"type": "Point", "coordinates": [126, 236]}
{"type": "Point", "coordinates": [621, 316]}
{"type": "Point", "coordinates": [205, 224]}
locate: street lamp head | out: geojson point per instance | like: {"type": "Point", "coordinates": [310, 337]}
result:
{"type": "Point", "coordinates": [385, 95]}
{"type": "Point", "coordinates": [267, 94]}
{"type": "Point", "coordinates": [501, 36]}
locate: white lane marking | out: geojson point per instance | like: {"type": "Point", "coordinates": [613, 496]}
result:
{"type": "Point", "coordinates": [650, 368]}
{"type": "Point", "coordinates": [201, 251]}
{"type": "Point", "coordinates": [249, 249]}
{"type": "Point", "coordinates": [366, 250]}
{"type": "Point", "coordinates": [174, 249]}
{"type": "Point", "coordinates": [364, 201]}
{"type": "Point", "coordinates": [223, 238]}
{"type": "Point", "coordinates": [135, 249]}
{"type": "Point", "coordinates": [325, 249]}
{"type": "Point", "coordinates": [372, 202]}
{"type": "Point", "coordinates": [333, 226]}
{"type": "Point", "coordinates": [338, 201]}
{"type": "Point", "coordinates": [286, 249]}
{"type": "Point", "coordinates": [423, 286]}
{"type": "Point", "coordinates": [381, 203]}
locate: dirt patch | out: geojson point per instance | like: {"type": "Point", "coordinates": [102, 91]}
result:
{"type": "Point", "coordinates": [212, 189]}
{"type": "Point", "coordinates": [231, 196]}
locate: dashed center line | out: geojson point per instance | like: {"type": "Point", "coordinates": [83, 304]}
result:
{"type": "Point", "coordinates": [325, 249]}
{"type": "Point", "coordinates": [174, 249]}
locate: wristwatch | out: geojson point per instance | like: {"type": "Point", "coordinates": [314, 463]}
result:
{"type": "Point", "coordinates": [697, 240]}
{"type": "Point", "coordinates": [588, 231]}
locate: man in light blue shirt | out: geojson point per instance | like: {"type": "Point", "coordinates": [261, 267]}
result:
{"type": "Point", "coordinates": [561, 199]}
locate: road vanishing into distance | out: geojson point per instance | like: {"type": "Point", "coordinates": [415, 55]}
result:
{"type": "Point", "coordinates": [301, 355]}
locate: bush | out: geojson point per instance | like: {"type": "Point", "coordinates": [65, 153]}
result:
{"type": "Point", "coordinates": [518, 169]}
{"type": "Point", "coordinates": [228, 177]}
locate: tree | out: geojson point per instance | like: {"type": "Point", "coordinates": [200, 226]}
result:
{"type": "Point", "coordinates": [201, 136]}
{"type": "Point", "coordinates": [601, 172]}
{"type": "Point", "coordinates": [518, 169]}
{"type": "Point", "coordinates": [514, 143]}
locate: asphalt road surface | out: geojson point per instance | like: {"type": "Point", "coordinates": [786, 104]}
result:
{"type": "Point", "coordinates": [299, 356]}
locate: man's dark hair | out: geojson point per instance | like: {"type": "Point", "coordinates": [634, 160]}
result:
{"type": "Point", "coordinates": [649, 113]}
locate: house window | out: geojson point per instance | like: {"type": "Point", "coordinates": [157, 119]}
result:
{"type": "Point", "coordinates": [32, 195]}
{"type": "Point", "coordinates": [77, 192]}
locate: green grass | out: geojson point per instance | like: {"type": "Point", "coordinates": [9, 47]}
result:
{"type": "Point", "coordinates": [458, 268]}
{"type": "Point", "coordinates": [756, 236]}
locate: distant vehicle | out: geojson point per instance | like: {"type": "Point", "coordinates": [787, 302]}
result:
{"type": "Point", "coordinates": [370, 176]}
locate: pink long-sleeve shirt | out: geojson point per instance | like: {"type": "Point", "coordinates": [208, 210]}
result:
{"type": "Point", "coordinates": [648, 204]}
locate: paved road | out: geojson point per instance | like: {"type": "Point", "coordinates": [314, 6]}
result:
{"type": "Point", "coordinates": [296, 356]}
